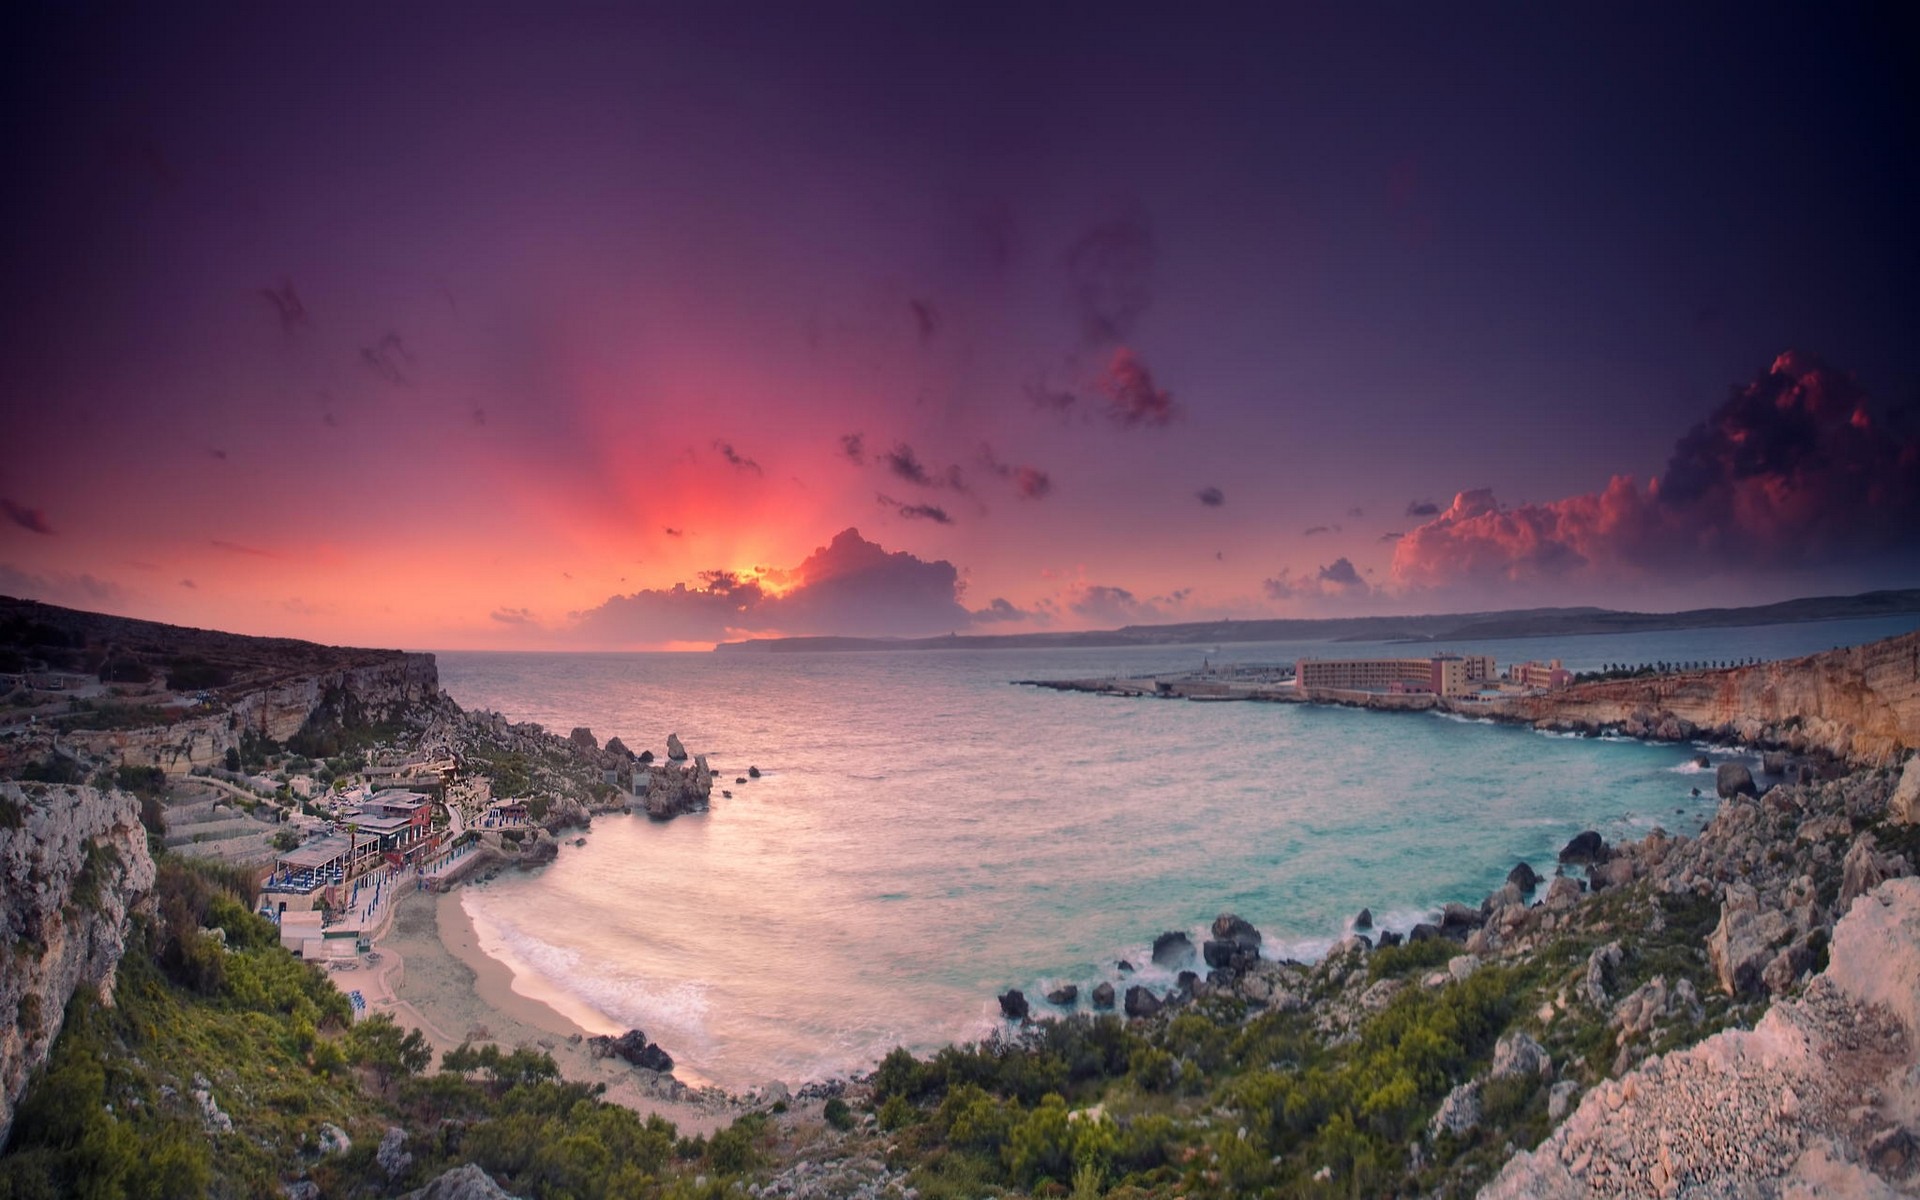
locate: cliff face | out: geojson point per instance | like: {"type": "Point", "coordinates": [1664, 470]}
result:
{"type": "Point", "coordinates": [73, 861]}
{"type": "Point", "coordinates": [380, 690]}
{"type": "Point", "coordinates": [1860, 703]}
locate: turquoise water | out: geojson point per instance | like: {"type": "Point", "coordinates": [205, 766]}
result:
{"type": "Point", "coordinates": [925, 835]}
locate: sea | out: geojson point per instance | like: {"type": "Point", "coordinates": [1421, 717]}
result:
{"type": "Point", "coordinates": [925, 834]}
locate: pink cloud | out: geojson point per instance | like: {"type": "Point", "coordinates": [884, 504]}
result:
{"type": "Point", "coordinates": [1793, 470]}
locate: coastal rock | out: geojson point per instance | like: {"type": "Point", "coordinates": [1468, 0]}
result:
{"type": "Point", "coordinates": [1523, 877]}
{"type": "Point", "coordinates": [617, 747]}
{"type": "Point", "coordinates": [1389, 938]}
{"type": "Point", "coordinates": [1602, 965]}
{"type": "Point", "coordinates": [1064, 996]}
{"type": "Point", "coordinates": [673, 789]}
{"type": "Point", "coordinates": [1142, 1003]}
{"type": "Point", "coordinates": [1653, 1004]}
{"type": "Point", "coordinates": [1124, 967]}
{"type": "Point", "coordinates": [675, 750]}
{"type": "Point", "coordinates": [1013, 1005]}
{"type": "Point", "coordinates": [1904, 807]}
{"type": "Point", "coordinates": [1364, 921]}
{"type": "Point", "coordinates": [753, 772]}
{"type": "Point", "coordinates": [1560, 1099]}
{"type": "Point", "coordinates": [1733, 779]}
{"type": "Point", "coordinates": [1586, 847]}
{"type": "Point", "coordinates": [1703, 762]}
{"type": "Point", "coordinates": [1423, 932]}
{"type": "Point", "coordinates": [1864, 869]}
{"type": "Point", "coordinates": [539, 854]}
{"type": "Point", "coordinates": [1172, 949]}
{"type": "Point", "coordinates": [583, 738]}
{"type": "Point", "coordinates": [1103, 995]}
{"type": "Point", "coordinates": [1229, 955]}
{"type": "Point", "coordinates": [632, 1047]}
{"type": "Point", "coordinates": [1457, 920]}
{"type": "Point", "coordinates": [1229, 927]}
{"type": "Point", "coordinates": [1773, 762]}
{"type": "Point", "coordinates": [1563, 893]}
{"type": "Point", "coordinates": [467, 1182]}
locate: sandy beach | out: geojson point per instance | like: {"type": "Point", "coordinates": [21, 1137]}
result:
{"type": "Point", "coordinates": [432, 975]}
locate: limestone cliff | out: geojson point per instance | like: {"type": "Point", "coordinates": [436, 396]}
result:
{"type": "Point", "coordinates": [73, 861]}
{"type": "Point", "coordinates": [386, 689]}
{"type": "Point", "coordinates": [1860, 703]}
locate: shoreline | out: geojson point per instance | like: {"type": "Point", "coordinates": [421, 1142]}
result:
{"type": "Point", "coordinates": [432, 975]}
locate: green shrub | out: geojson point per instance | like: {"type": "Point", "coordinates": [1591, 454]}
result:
{"type": "Point", "coordinates": [838, 1114]}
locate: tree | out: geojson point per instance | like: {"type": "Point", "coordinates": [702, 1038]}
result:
{"type": "Point", "coordinates": [380, 1045]}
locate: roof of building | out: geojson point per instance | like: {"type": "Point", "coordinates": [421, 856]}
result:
{"type": "Point", "coordinates": [319, 853]}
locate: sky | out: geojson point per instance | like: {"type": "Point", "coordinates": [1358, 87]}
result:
{"type": "Point", "coordinates": [475, 326]}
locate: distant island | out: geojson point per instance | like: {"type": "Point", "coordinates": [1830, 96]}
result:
{"type": "Point", "coordinates": [1432, 627]}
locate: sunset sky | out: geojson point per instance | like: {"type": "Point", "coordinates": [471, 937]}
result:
{"type": "Point", "coordinates": [408, 325]}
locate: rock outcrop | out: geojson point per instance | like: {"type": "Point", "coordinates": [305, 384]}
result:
{"type": "Point", "coordinates": [673, 789]}
{"type": "Point", "coordinates": [632, 1047]}
{"type": "Point", "coordinates": [675, 750]}
{"type": "Point", "coordinates": [466, 1182]}
{"type": "Point", "coordinates": [1807, 1103]}
{"type": "Point", "coordinates": [73, 861]}
{"type": "Point", "coordinates": [1860, 703]}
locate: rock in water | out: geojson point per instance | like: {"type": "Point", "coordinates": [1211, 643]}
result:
{"type": "Point", "coordinates": [1229, 927]}
{"type": "Point", "coordinates": [1364, 921]}
{"type": "Point", "coordinates": [1065, 996]}
{"type": "Point", "coordinates": [616, 746]}
{"type": "Point", "coordinates": [1523, 877]}
{"type": "Point", "coordinates": [1587, 847]}
{"type": "Point", "coordinates": [753, 772]}
{"type": "Point", "coordinates": [1141, 1002]}
{"type": "Point", "coordinates": [1773, 762]}
{"type": "Point", "coordinates": [675, 750]}
{"type": "Point", "coordinates": [1734, 780]}
{"type": "Point", "coordinates": [1103, 995]}
{"type": "Point", "coordinates": [1013, 1005]}
{"type": "Point", "coordinates": [1172, 949]}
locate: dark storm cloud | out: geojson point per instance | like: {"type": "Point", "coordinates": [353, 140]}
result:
{"type": "Point", "coordinates": [287, 305]}
{"type": "Point", "coordinates": [30, 519]}
{"type": "Point", "coordinates": [915, 512]}
{"type": "Point", "coordinates": [906, 465]}
{"type": "Point", "coordinates": [735, 458]}
{"type": "Point", "coordinates": [1133, 398]}
{"type": "Point", "coordinates": [854, 446]}
{"type": "Point", "coordinates": [388, 358]}
{"type": "Point", "coordinates": [1212, 497]}
{"type": "Point", "coordinates": [1794, 470]}
{"type": "Point", "coordinates": [1422, 508]}
{"type": "Point", "coordinates": [925, 320]}
{"type": "Point", "coordinates": [850, 585]}
{"type": "Point", "coordinates": [1110, 279]}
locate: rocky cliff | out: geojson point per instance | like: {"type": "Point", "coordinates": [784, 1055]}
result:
{"type": "Point", "coordinates": [1813, 1101]}
{"type": "Point", "coordinates": [1860, 703]}
{"type": "Point", "coordinates": [73, 861]}
{"type": "Point", "coordinates": [383, 690]}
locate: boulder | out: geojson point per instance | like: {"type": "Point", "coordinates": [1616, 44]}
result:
{"type": "Point", "coordinates": [392, 1156]}
{"type": "Point", "coordinates": [1364, 921]}
{"type": "Point", "coordinates": [1459, 1112]}
{"type": "Point", "coordinates": [1904, 807]}
{"type": "Point", "coordinates": [583, 738]}
{"type": "Point", "coordinates": [618, 747]}
{"type": "Point", "coordinates": [1865, 868]}
{"type": "Point", "coordinates": [1423, 932]}
{"type": "Point", "coordinates": [675, 750]}
{"type": "Point", "coordinates": [1517, 1054]}
{"type": "Point", "coordinates": [1562, 893]}
{"type": "Point", "coordinates": [632, 1047]}
{"type": "Point", "coordinates": [1773, 762]}
{"type": "Point", "coordinates": [1013, 1005]}
{"type": "Point", "coordinates": [753, 772]}
{"type": "Point", "coordinates": [1103, 995]}
{"type": "Point", "coordinates": [1560, 1099]}
{"type": "Point", "coordinates": [1742, 945]}
{"type": "Point", "coordinates": [1124, 967]}
{"type": "Point", "coordinates": [1603, 965]}
{"type": "Point", "coordinates": [1228, 927]}
{"type": "Point", "coordinates": [1523, 877]}
{"type": "Point", "coordinates": [1389, 938]}
{"type": "Point", "coordinates": [466, 1182]}
{"type": "Point", "coordinates": [1229, 955]}
{"type": "Point", "coordinates": [333, 1140]}
{"type": "Point", "coordinates": [1172, 949]}
{"type": "Point", "coordinates": [1702, 761]}
{"type": "Point", "coordinates": [1457, 920]}
{"type": "Point", "coordinates": [1064, 996]}
{"type": "Point", "coordinates": [1586, 847]}
{"type": "Point", "coordinates": [1141, 1002]}
{"type": "Point", "coordinates": [1732, 780]}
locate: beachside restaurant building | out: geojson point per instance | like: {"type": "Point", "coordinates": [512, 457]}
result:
{"type": "Point", "coordinates": [389, 828]}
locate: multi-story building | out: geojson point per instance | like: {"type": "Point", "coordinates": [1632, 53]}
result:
{"type": "Point", "coordinates": [1540, 674]}
{"type": "Point", "coordinates": [1440, 674]}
